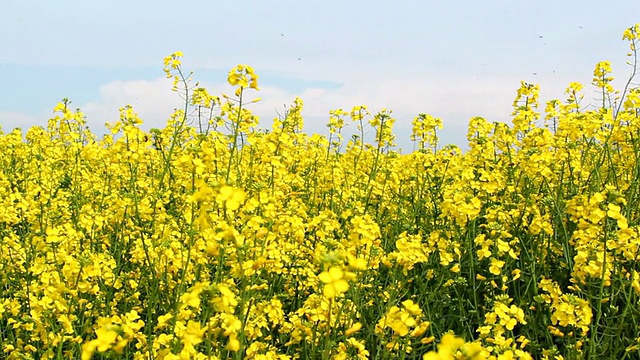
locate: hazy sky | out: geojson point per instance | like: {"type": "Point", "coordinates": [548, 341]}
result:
{"type": "Point", "coordinates": [451, 59]}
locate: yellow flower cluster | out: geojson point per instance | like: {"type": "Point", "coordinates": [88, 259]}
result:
{"type": "Point", "coordinates": [453, 347]}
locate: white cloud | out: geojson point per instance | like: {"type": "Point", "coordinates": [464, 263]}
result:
{"type": "Point", "coordinates": [454, 99]}
{"type": "Point", "coordinates": [153, 101]}
{"type": "Point", "coordinates": [11, 120]}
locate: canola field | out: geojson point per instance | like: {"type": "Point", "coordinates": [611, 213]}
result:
{"type": "Point", "coordinates": [214, 238]}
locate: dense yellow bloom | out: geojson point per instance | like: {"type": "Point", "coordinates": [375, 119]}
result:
{"type": "Point", "coordinates": [452, 347]}
{"type": "Point", "coordinates": [230, 197]}
{"type": "Point", "coordinates": [411, 251]}
{"type": "Point", "coordinates": [403, 321]}
{"type": "Point", "coordinates": [399, 321]}
{"type": "Point", "coordinates": [213, 238]}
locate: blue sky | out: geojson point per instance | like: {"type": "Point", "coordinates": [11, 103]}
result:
{"type": "Point", "coordinates": [453, 60]}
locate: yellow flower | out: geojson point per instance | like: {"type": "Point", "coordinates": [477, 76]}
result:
{"type": "Point", "coordinates": [602, 76]}
{"type": "Point", "coordinates": [496, 266]}
{"type": "Point", "coordinates": [194, 332]}
{"type": "Point", "coordinates": [412, 307]}
{"type": "Point", "coordinates": [420, 329]}
{"type": "Point", "coordinates": [231, 197]}
{"type": "Point", "coordinates": [233, 344]}
{"type": "Point", "coordinates": [353, 329]}
{"type": "Point", "coordinates": [358, 263]}
{"type": "Point", "coordinates": [243, 76]}
{"type": "Point", "coordinates": [335, 282]}
{"type": "Point", "coordinates": [163, 321]}
{"type": "Point", "coordinates": [105, 338]}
